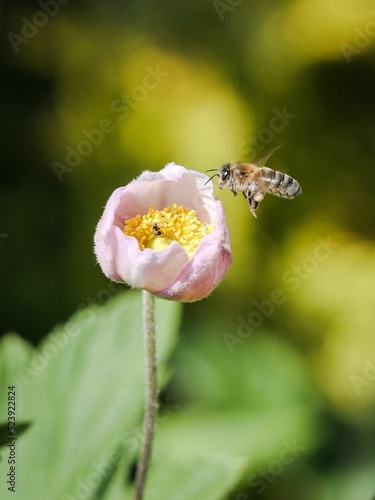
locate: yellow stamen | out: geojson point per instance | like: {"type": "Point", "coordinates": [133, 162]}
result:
{"type": "Point", "coordinates": [158, 228]}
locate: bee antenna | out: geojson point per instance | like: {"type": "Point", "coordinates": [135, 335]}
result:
{"type": "Point", "coordinates": [212, 176]}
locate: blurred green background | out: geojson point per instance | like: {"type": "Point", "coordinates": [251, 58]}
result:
{"type": "Point", "coordinates": [95, 93]}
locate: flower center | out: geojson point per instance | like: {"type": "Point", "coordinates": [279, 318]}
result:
{"type": "Point", "coordinates": [158, 228]}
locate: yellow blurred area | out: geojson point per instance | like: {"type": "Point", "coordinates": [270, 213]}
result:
{"type": "Point", "coordinates": [316, 29]}
{"type": "Point", "coordinates": [308, 31]}
{"type": "Point", "coordinates": [163, 106]}
{"type": "Point", "coordinates": [329, 278]}
{"type": "Point", "coordinates": [192, 115]}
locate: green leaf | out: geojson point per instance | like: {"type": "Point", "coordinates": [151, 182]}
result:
{"type": "Point", "coordinates": [181, 462]}
{"type": "Point", "coordinates": [202, 477]}
{"type": "Point", "coordinates": [246, 433]}
{"type": "Point", "coordinates": [83, 390]}
{"type": "Point", "coordinates": [255, 402]}
{"type": "Point", "coordinates": [262, 373]}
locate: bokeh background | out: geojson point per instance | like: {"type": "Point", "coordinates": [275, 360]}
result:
{"type": "Point", "coordinates": [97, 92]}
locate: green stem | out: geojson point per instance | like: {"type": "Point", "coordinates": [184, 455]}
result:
{"type": "Point", "coordinates": [151, 405]}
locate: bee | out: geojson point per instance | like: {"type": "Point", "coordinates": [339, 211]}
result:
{"type": "Point", "coordinates": [156, 227]}
{"type": "Point", "coordinates": [255, 181]}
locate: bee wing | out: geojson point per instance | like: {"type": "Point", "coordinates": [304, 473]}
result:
{"type": "Point", "coordinates": [264, 158]}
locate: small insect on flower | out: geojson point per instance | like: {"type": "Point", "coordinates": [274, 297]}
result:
{"type": "Point", "coordinates": [157, 228]}
{"type": "Point", "coordinates": [255, 181]}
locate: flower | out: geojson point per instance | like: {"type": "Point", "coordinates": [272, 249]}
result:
{"type": "Point", "coordinates": [165, 232]}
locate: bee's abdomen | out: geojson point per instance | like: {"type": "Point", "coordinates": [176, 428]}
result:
{"type": "Point", "coordinates": [283, 184]}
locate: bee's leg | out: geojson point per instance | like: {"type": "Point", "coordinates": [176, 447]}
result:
{"type": "Point", "coordinates": [253, 199]}
{"type": "Point", "coordinates": [252, 205]}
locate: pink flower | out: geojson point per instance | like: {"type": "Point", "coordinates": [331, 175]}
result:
{"type": "Point", "coordinates": [165, 232]}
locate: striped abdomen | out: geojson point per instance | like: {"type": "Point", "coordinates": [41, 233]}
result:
{"type": "Point", "coordinates": [281, 184]}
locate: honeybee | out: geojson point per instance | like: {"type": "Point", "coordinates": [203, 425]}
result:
{"type": "Point", "coordinates": [156, 227]}
{"type": "Point", "coordinates": [255, 181]}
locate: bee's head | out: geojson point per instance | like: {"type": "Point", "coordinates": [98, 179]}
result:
{"type": "Point", "coordinates": [224, 174]}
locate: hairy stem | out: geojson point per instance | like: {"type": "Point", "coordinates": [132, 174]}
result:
{"type": "Point", "coordinates": [151, 405]}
